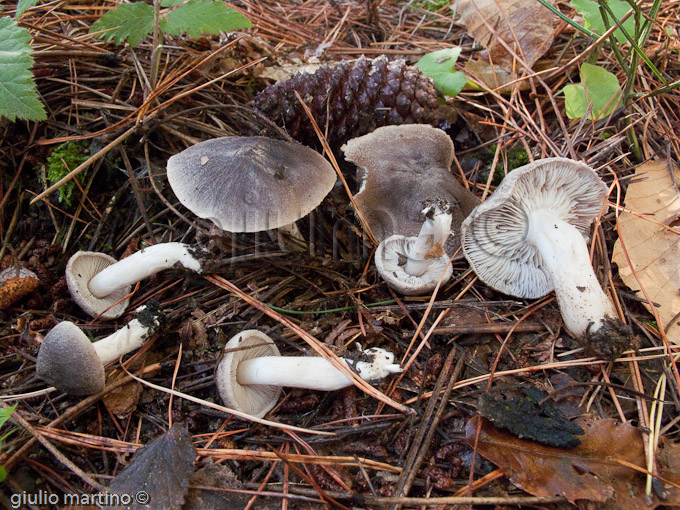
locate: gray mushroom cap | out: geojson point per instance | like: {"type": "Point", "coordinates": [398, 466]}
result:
{"type": "Point", "coordinates": [81, 268]}
{"type": "Point", "coordinates": [494, 235]}
{"type": "Point", "coordinates": [253, 399]}
{"type": "Point", "coordinates": [402, 167]}
{"type": "Point", "coordinates": [68, 361]}
{"type": "Point", "coordinates": [249, 184]}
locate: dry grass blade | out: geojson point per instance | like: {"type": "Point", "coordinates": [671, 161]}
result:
{"type": "Point", "coordinates": [218, 407]}
{"type": "Point", "coordinates": [331, 158]}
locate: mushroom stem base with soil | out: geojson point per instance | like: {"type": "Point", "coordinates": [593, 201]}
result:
{"type": "Point", "coordinates": [586, 310]}
{"type": "Point", "coordinates": [314, 373]}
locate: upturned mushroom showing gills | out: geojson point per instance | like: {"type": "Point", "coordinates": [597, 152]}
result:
{"type": "Point", "coordinates": [250, 184]}
{"type": "Point", "coordinates": [414, 265]}
{"type": "Point", "coordinates": [400, 167]}
{"type": "Point", "coordinates": [97, 281]}
{"type": "Point", "coordinates": [252, 372]}
{"type": "Point", "coordinates": [530, 238]}
{"type": "Point", "coordinates": [70, 362]}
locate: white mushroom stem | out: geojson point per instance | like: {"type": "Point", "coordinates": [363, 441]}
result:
{"type": "Point", "coordinates": [563, 250]}
{"type": "Point", "coordinates": [314, 373]}
{"type": "Point", "coordinates": [140, 265]}
{"type": "Point", "coordinates": [127, 339]}
{"type": "Point", "coordinates": [432, 237]}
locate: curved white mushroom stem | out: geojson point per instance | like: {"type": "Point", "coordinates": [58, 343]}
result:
{"type": "Point", "coordinates": [430, 241]}
{"type": "Point", "coordinates": [140, 265]}
{"type": "Point", "coordinates": [314, 373]}
{"type": "Point", "coordinates": [133, 335]}
{"type": "Point", "coordinates": [583, 304]}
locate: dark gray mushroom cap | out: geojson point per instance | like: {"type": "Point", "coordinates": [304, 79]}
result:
{"type": "Point", "coordinates": [68, 361]}
{"type": "Point", "coordinates": [253, 399]}
{"type": "Point", "coordinates": [494, 235]}
{"type": "Point", "coordinates": [402, 167]}
{"type": "Point", "coordinates": [81, 268]}
{"type": "Point", "coordinates": [249, 184]}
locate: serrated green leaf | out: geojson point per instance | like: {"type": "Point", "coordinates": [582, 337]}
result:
{"type": "Point", "coordinates": [18, 97]}
{"type": "Point", "coordinates": [441, 67]}
{"type": "Point", "coordinates": [172, 3]}
{"type": "Point", "coordinates": [592, 17]}
{"type": "Point", "coordinates": [207, 16]}
{"type": "Point", "coordinates": [131, 22]}
{"type": "Point", "coordinates": [599, 87]}
{"type": "Point", "coordinates": [22, 6]}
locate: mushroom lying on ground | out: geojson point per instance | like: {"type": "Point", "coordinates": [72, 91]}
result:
{"type": "Point", "coordinates": [97, 281]}
{"type": "Point", "coordinates": [400, 168]}
{"type": "Point", "coordinates": [69, 361]}
{"type": "Point", "coordinates": [414, 265]}
{"type": "Point", "coordinates": [252, 372]}
{"type": "Point", "coordinates": [248, 183]}
{"type": "Point", "coordinates": [530, 238]}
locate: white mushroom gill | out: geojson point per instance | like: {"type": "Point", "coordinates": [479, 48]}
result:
{"type": "Point", "coordinates": [414, 265]}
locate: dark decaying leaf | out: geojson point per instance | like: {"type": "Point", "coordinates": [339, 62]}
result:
{"type": "Point", "coordinates": [595, 470]}
{"type": "Point", "coordinates": [160, 470]}
{"type": "Point", "coordinates": [523, 417]}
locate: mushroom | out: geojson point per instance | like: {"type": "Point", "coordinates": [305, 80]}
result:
{"type": "Point", "coordinates": [400, 167]}
{"type": "Point", "coordinates": [248, 183]}
{"type": "Point", "coordinates": [530, 238]}
{"type": "Point", "coordinates": [414, 265]}
{"type": "Point", "coordinates": [70, 362]}
{"type": "Point", "coordinates": [97, 281]}
{"type": "Point", "coordinates": [252, 372]}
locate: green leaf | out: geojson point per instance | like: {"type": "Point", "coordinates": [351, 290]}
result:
{"type": "Point", "coordinates": [22, 6]}
{"type": "Point", "coordinates": [172, 3]}
{"type": "Point", "coordinates": [18, 97]}
{"type": "Point", "coordinates": [131, 22]}
{"type": "Point", "coordinates": [592, 17]}
{"type": "Point", "coordinates": [6, 413]}
{"type": "Point", "coordinates": [206, 16]}
{"type": "Point", "coordinates": [599, 87]}
{"type": "Point", "coordinates": [441, 67]}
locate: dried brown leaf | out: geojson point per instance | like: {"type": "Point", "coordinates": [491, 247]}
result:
{"type": "Point", "coordinates": [593, 471]}
{"type": "Point", "coordinates": [652, 240]}
{"type": "Point", "coordinates": [122, 400]}
{"type": "Point", "coordinates": [525, 26]}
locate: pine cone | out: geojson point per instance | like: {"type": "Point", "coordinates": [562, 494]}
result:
{"type": "Point", "coordinates": [353, 98]}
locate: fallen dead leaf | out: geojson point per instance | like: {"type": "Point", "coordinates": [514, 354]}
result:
{"type": "Point", "coordinates": [122, 400]}
{"type": "Point", "coordinates": [651, 237]}
{"type": "Point", "coordinates": [523, 25]}
{"type": "Point", "coordinates": [592, 471]}
{"type": "Point", "coordinates": [158, 475]}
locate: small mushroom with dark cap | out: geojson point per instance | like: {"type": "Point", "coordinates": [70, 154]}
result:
{"type": "Point", "coordinates": [97, 281]}
{"type": "Point", "coordinates": [414, 265]}
{"type": "Point", "coordinates": [250, 184]}
{"type": "Point", "coordinates": [70, 362]}
{"type": "Point", "coordinates": [400, 168]}
{"type": "Point", "coordinates": [252, 372]}
{"type": "Point", "coordinates": [529, 238]}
